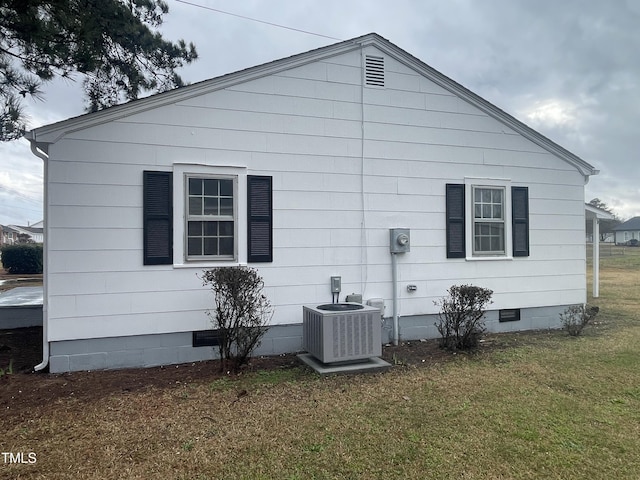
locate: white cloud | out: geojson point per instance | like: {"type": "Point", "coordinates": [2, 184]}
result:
{"type": "Point", "coordinates": [552, 113]}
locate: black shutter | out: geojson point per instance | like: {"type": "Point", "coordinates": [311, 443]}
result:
{"type": "Point", "coordinates": [520, 220]}
{"type": "Point", "coordinates": [260, 219]}
{"type": "Point", "coordinates": [455, 221]}
{"type": "Point", "coordinates": [158, 217]}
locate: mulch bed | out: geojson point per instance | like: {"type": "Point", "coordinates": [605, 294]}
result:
{"type": "Point", "coordinates": [24, 390]}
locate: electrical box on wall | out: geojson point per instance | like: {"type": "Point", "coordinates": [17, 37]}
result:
{"type": "Point", "coordinates": [399, 241]}
{"type": "Point", "coordinates": [336, 284]}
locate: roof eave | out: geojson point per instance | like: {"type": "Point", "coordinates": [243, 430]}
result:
{"type": "Point", "coordinates": [597, 212]}
{"type": "Point", "coordinates": [51, 133]}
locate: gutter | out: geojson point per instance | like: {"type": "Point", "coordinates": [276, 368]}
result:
{"type": "Point", "coordinates": [45, 311]}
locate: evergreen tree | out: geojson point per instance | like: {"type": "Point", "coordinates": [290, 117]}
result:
{"type": "Point", "coordinates": [114, 44]}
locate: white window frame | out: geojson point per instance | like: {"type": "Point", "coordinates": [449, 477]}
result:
{"type": "Point", "coordinates": [188, 217]}
{"type": "Point", "coordinates": [181, 173]}
{"type": "Point", "coordinates": [471, 183]}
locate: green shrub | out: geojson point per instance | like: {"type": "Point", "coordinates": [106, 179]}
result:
{"type": "Point", "coordinates": [22, 258]}
{"type": "Point", "coordinates": [576, 317]}
{"type": "Point", "coordinates": [461, 315]}
{"type": "Point", "coordinates": [241, 314]}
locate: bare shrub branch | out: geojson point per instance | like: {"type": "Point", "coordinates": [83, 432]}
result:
{"type": "Point", "coordinates": [241, 312]}
{"type": "Point", "coordinates": [576, 317]}
{"type": "Point", "coordinates": [461, 316]}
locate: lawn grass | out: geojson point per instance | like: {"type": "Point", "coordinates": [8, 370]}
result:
{"type": "Point", "coordinates": [549, 406]}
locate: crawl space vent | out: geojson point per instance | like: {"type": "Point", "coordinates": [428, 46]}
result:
{"type": "Point", "coordinates": [374, 71]}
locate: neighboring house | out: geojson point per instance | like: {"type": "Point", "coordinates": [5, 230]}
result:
{"type": "Point", "coordinates": [8, 236]}
{"type": "Point", "coordinates": [36, 234]}
{"type": "Point", "coordinates": [300, 168]}
{"type": "Point", "coordinates": [627, 231]}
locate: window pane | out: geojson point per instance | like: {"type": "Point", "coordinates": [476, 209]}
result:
{"type": "Point", "coordinates": [195, 206]}
{"type": "Point", "coordinates": [497, 211]}
{"type": "Point", "coordinates": [226, 229]}
{"type": "Point", "coordinates": [195, 186]}
{"type": "Point", "coordinates": [486, 211]}
{"type": "Point", "coordinates": [486, 195]}
{"type": "Point", "coordinates": [194, 246]}
{"type": "Point", "coordinates": [226, 246]}
{"type": "Point", "coordinates": [194, 229]}
{"type": "Point", "coordinates": [211, 246]}
{"type": "Point", "coordinates": [477, 196]}
{"type": "Point", "coordinates": [226, 188]}
{"type": "Point", "coordinates": [226, 206]}
{"type": "Point", "coordinates": [211, 187]}
{"type": "Point", "coordinates": [210, 206]}
{"type": "Point", "coordinates": [477, 209]}
{"type": "Point", "coordinates": [496, 196]}
{"type": "Point", "coordinates": [210, 229]}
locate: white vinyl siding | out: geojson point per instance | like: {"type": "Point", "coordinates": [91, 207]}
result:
{"type": "Point", "coordinates": [339, 184]}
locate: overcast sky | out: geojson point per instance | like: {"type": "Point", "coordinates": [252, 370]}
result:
{"type": "Point", "coordinates": [570, 69]}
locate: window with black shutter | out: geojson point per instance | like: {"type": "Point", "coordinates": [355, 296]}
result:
{"type": "Point", "coordinates": [157, 218]}
{"type": "Point", "coordinates": [455, 221]}
{"type": "Point", "coordinates": [260, 218]}
{"type": "Point", "coordinates": [520, 221]}
{"type": "Point", "coordinates": [485, 232]}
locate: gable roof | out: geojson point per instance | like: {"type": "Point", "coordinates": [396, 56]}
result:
{"type": "Point", "coordinates": [8, 229]}
{"type": "Point", "coordinates": [23, 229]}
{"type": "Point", "coordinates": [631, 224]}
{"type": "Point", "coordinates": [48, 134]}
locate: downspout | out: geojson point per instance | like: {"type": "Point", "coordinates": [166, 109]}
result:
{"type": "Point", "coordinates": [45, 310]}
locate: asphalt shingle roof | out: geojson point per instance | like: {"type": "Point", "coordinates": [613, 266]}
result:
{"type": "Point", "coordinates": [629, 225]}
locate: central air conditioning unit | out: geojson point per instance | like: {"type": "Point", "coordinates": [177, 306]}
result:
{"type": "Point", "coordinates": [342, 332]}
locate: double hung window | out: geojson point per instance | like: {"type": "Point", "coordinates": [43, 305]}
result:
{"type": "Point", "coordinates": [211, 217]}
{"type": "Point", "coordinates": [488, 220]}
{"type": "Point", "coordinates": [220, 216]}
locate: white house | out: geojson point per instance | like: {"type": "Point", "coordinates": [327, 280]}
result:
{"type": "Point", "coordinates": [300, 168]}
{"type": "Point", "coordinates": [628, 231]}
{"type": "Point", "coordinates": [8, 235]}
{"type": "Point", "coordinates": [35, 233]}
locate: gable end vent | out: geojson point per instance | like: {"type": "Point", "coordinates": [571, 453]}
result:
{"type": "Point", "coordinates": [374, 71]}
